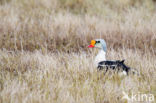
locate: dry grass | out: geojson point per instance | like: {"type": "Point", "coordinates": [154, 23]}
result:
{"type": "Point", "coordinates": [43, 54]}
{"type": "Point", "coordinates": [32, 25]}
{"type": "Point", "coordinates": [60, 77]}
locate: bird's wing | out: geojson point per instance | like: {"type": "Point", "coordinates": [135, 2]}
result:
{"type": "Point", "coordinates": [108, 63]}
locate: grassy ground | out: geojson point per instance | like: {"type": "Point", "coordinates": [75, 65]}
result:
{"type": "Point", "coordinates": [44, 56]}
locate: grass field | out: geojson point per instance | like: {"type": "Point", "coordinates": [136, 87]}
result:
{"type": "Point", "coordinates": [44, 56]}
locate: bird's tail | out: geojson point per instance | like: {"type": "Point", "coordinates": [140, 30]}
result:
{"type": "Point", "coordinates": [128, 69]}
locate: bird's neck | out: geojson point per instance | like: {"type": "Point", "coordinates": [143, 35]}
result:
{"type": "Point", "coordinates": [101, 56]}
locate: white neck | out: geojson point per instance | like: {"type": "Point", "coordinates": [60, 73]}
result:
{"type": "Point", "coordinates": [101, 56]}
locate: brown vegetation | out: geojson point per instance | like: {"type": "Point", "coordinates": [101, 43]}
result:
{"type": "Point", "coordinates": [44, 56]}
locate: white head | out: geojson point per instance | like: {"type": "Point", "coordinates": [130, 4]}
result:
{"type": "Point", "coordinates": [98, 43]}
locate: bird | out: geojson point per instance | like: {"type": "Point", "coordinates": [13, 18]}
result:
{"type": "Point", "coordinates": [102, 63]}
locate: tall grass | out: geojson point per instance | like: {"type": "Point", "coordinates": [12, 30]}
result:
{"type": "Point", "coordinates": [44, 56]}
{"type": "Point", "coordinates": [31, 25]}
{"type": "Point", "coordinates": [62, 77]}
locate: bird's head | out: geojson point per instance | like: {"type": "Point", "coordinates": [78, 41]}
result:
{"type": "Point", "coordinates": [98, 43]}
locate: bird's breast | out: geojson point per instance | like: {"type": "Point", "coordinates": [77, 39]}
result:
{"type": "Point", "coordinates": [100, 57]}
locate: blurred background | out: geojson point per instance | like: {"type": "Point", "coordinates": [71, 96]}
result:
{"type": "Point", "coordinates": [69, 25]}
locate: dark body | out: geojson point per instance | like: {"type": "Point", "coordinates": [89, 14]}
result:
{"type": "Point", "coordinates": [114, 65]}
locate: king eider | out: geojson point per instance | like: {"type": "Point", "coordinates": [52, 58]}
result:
{"type": "Point", "coordinates": [101, 62]}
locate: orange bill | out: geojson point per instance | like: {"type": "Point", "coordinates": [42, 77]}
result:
{"type": "Point", "coordinates": [92, 44]}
